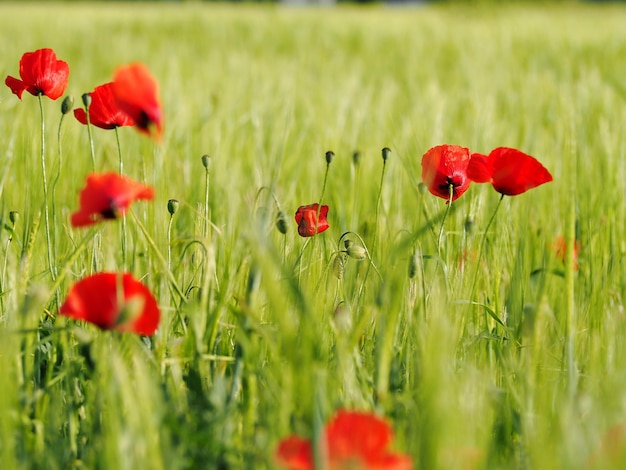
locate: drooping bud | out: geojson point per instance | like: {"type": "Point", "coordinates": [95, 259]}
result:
{"type": "Point", "coordinates": [67, 104]}
{"type": "Point", "coordinates": [281, 222]}
{"type": "Point", "coordinates": [339, 265]}
{"type": "Point", "coordinates": [14, 217]}
{"type": "Point", "coordinates": [172, 206]}
{"type": "Point", "coordinates": [86, 99]}
{"type": "Point", "coordinates": [386, 153]}
{"type": "Point", "coordinates": [356, 158]}
{"type": "Point", "coordinates": [354, 251]}
{"type": "Point", "coordinates": [206, 161]}
{"type": "Point", "coordinates": [329, 156]}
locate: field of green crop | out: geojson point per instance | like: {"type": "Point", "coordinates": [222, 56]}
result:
{"type": "Point", "coordinates": [481, 343]}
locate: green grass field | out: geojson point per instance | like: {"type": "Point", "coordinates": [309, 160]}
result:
{"type": "Point", "coordinates": [492, 353]}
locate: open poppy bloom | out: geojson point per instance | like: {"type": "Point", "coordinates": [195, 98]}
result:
{"type": "Point", "coordinates": [354, 440]}
{"type": "Point", "coordinates": [444, 168]}
{"type": "Point", "coordinates": [41, 74]}
{"type": "Point", "coordinates": [137, 94]}
{"type": "Point", "coordinates": [307, 220]}
{"type": "Point", "coordinates": [510, 171]}
{"type": "Point", "coordinates": [113, 301]}
{"type": "Point", "coordinates": [107, 196]}
{"type": "Point", "coordinates": [103, 110]}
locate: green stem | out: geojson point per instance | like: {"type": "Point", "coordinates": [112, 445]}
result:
{"type": "Point", "coordinates": [445, 216]}
{"type": "Point", "coordinates": [378, 201]}
{"type": "Point", "coordinates": [91, 147]}
{"type": "Point", "coordinates": [483, 242]}
{"type": "Point", "coordinates": [570, 288]}
{"type": "Point", "coordinates": [45, 190]}
{"type": "Point", "coordinates": [121, 172]}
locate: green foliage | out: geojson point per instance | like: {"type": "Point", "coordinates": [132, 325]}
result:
{"type": "Point", "coordinates": [482, 352]}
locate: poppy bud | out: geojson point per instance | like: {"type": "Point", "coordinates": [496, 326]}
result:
{"type": "Point", "coordinates": [356, 158]}
{"type": "Point", "coordinates": [206, 161]}
{"type": "Point", "coordinates": [14, 217]}
{"type": "Point", "coordinates": [338, 265]}
{"type": "Point", "coordinates": [329, 156]}
{"type": "Point", "coordinates": [354, 251]}
{"type": "Point", "coordinates": [342, 317]}
{"type": "Point", "coordinates": [422, 188]}
{"type": "Point", "coordinates": [386, 152]}
{"type": "Point", "coordinates": [281, 222]}
{"type": "Point", "coordinates": [172, 206]}
{"type": "Point", "coordinates": [67, 104]}
{"type": "Point", "coordinates": [86, 100]}
{"type": "Point", "coordinates": [413, 263]}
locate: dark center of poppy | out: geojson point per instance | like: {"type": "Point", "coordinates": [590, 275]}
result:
{"type": "Point", "coordinates": [110, 212]}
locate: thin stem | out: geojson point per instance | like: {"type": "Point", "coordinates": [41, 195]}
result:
{"type": "Point", "coordinates": [378, 201]}
{"type": "Point", "coordinates": [445, 216]}
{"type": "Point", "coordinates": [121, 172]}
{"type": "Point", "coordinates": [162, 260]}
{"type": "Point", "coordinates": [570, 287]}
{"type": "Point", "coordinates": [91, 148]}
{"type": "Point", "coordinates": [169, 243]}
{"type": "Point", "coordinates": [319, 204]}
{"type": "Point", "coordinates": [206, 203]}
{"type": "Point", "coordinates": [483, 242]}
{"type": "Point", "coordinates": [45, 190]}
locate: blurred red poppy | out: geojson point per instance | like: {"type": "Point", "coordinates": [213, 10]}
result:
{"type": "Point", "coordinates": [560, 249]}
{"type": "Point", "coordinates": [137, 94]}
{"type": "Point", "coordinates": [113, 301]}
{"type": "Point", "coordinates": [353, 440]}
{"type": "Point", "coordinates": [306, 218]}
{"type": "Point", "coordinates": [41, 74]}
{"type": "Point", "coordinates": [445, 166]}
{"type": "Point", "coordinates": [103, 110]}
{"type": "Point", "coordinates": [107, 196]}
{"type": "Point", "coordinates": [510, 171]}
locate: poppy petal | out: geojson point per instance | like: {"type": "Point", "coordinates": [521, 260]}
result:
{"type": "Point", "coordinates": [137, 94]}
{"type": "Point", "coordinates": [514, 172]}
{"type": "Point", "coordinates": [44, 74]}
{"type": "Point", "coordinates": [16, 86]}
{"type": "Point", "coordinates": [96, 299]}
{"type": "Point", "coordinates": [307, 220]}
{"type": "Point", "coordinates": [295, 453]}
{"type": "Point", "coordinates": [445, 166]}
{"type": "Point", "coordinates": [478, 169]}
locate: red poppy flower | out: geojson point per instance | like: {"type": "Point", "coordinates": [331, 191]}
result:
{"type": "Point", "coordinates": [444, 166]}
{"type": "Point", "coordinates": [41, 74]}
{"type": "Point", "coordinates": [353, 440]}
{"type": "Point", "coordinates": [107, 196]}
{"type": "Point", "coordinates": [113, 301]}
{"type": "Point", "coordinates": [137, 94]}
{"type": "Point", "coordinates": [510, 171]}
{"type": "Point", "coordinates": [103, 110]}
{"type": "Point", "coordinates": [560, 249]}
{"type": "Point", "coordinates": [306, 218]}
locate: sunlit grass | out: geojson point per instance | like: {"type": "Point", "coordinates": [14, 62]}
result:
{"type": "Point", "coordinates": [464, 351]}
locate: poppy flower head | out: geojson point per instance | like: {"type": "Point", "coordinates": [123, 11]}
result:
{"type": "Point", "coordinates": [113, 301]}
{"type": "Point", "coordinates": [103, 110]}
{"type": "Point", "coordinates": [445, 166]}
{"type": "Point", "coordinates": [41, 74]}
{"type": "Point", "coordinates": [353, 440]}
{"type": "Point", "coordinates": [137, 94]}
{"type": "Point", "coordinates": [107, 196]}
{"type": "Point", "coordinates": [510, 171]}
{"type": "Point", "coordinates": [308, 221]}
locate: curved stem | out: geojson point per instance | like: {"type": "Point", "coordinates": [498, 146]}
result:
{"type": "Point", "coordinates": [445, 216]}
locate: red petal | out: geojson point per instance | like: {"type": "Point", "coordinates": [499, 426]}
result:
{"type": "Point", "coordinates": [306, 217]}
{"type": "Point", "coordinates": [478, 169]}
{"type": "Point", "coordinates": [137, 94]}
{"type": "Point", "coordinates": [295, 453]}
{"type": "Point", "coordinates": [95, 299]}
{"type": "Point", "coordinates": [514, 172]}
{"type": "Point", "coordinates": [107, 196]}
{"type": "Point", "coordinates": [80, 115]}
{"type": "Point", "coordinates": [445, 165]}
{"type": "Point", "coordinates": [16, 86]}
{"type": "Point", "coordinates": [357, 435]}
{"type": "Point", "coordinates": [43, 73]}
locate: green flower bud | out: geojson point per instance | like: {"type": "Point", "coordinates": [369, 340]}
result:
{"type": "Point", "coordinates": [172, 206]}
{"type": "Point", "coordinates": [329, 156]}
{"type": "Point", "coordinates": [356, 158]}
{"type": "Point", "coordinates": [386, 153]}
{"type": "Point", "coordinates": [206, 161]}
{"type": "Point", "coordinates": [338, 265]}
{"type": "Point", "coordinates": [67, 104]}
{"type": "Point", "coordinates": [281, 222]}
{"type": "Point", "coordinates": [86, 99]}
{"type": "Point", "coordinates": [14, 217]}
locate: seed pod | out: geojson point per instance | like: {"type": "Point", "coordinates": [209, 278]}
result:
{"type": "Point", "coordinates": [14, 217]}
{"type": "Point", "coordinates": [356, 158]}
{"type": "Point", "coordinates": [386, 153]}
{"type": "Point", "coordinates": [413, 263]}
